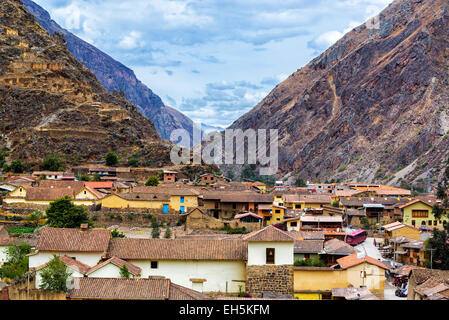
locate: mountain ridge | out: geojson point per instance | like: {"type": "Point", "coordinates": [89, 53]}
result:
{"type": "Point", "coordinates": [370, 108]}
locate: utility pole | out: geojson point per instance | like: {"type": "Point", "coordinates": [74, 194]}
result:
{"type": "Point", "coordinates": [431, 257]}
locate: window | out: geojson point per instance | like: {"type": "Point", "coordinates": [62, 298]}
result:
{"type": "Point", "coordinates": [277, 211]}
{"type": "Point", "coordinates": [182, 209]}
{"type": "Point", "coordinates": [430, 222]}
{"type": "Point", "coordinates": [270, 256]}
{"type": "Point", "coordinates": [435, 223]}
{"type": "Point", "coordinates": [182, 199]}
{"type": "Point", "coordinates": [154, 265]}
{"type": "Point", "coordinates": [413, 223]}
{"type": "Point", "coordinates": [420, 213]}
{"type": "Point", "coordinates": [294, 224]}
{"type": "Point", "coordinates": [234, 205]}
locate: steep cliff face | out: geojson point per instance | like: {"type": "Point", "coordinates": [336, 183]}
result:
{"type": "Point", "coordinates": [114, 76]}
{"type": "Point", "coordinates": [51, 103]}
{"type": "Point", "coordinates": [374, 106]}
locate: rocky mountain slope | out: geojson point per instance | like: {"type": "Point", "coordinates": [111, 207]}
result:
{"type": "Point", "coordinates": [373, 107]}
{"type": "Point", "coordinates": [114, 76]}
{"type": "Point", "coordinates": [51, 103]}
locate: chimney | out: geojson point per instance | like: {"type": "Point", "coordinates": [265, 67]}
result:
{"type": "Point", "coordinates": [84, 227]}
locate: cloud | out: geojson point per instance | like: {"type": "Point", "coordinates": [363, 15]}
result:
{"type": "Point", "coordinates": [325, 40]}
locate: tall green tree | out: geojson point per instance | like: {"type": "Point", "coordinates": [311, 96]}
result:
{"type": "Point", "coordinates": [168, 233]}
{"type": "Point", "coordinates": [111, 159]}
{"type": "Point", "coordinates": [54, 275]}
{"type": "Point", "coordinates": [62, 213]}
{"type": "Point", "coordinates": [53, 163]}
{"type": "Point", "coordinates": [124, 272]}
{"type": "Point", "coordinates": [152, 181]}
{"type": "Point", "coordinates": [16, 166]}
{"type": "Point", "coordinates": [439, 242]}
{"type": "Point", "coordinates": [156, 231]}
{"type": "Point", "coordinates": [16, 264]}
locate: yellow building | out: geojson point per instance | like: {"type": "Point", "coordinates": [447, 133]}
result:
{"type": "Point", "coordinates": [316, 283]}
{"type": "Point", "coordinates": [419, 214]}
{"type": "Point", "coordinates": [136, 201]}
{"type": "Point", "coordinates": [398, 229]}
{"type": "Point", "coordinates": [277, 215]}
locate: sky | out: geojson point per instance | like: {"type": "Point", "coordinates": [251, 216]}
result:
{"type": "Point", "coordinates": [213, 60]}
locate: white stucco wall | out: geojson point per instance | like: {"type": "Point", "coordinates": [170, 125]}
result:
{"type": "Point", "coordinates": [283, 254]}
{"type": "Point", "coordinates": [3, 256]}
{"type": "Point", "coordinates": [108, 271]}
{"type": "Point", "coordinates": [217, 273]}
{"type": "Point", "coordinates": [90, 259]}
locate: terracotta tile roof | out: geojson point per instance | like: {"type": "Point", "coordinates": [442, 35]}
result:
{"type": "Point", "coordinates": [269, 233]}
{"type": "Point", "coordinates": [311, 218]}
{"type": "Point", "coordinates": [135, 270]}
{"type": "Point", "coordinates": [406, 269]}
{"type": "Point", "coordinates": [99, 184]}
{"type": "Point", "coordinates": [422, 275]}
{"type": "Point", "coordinates": [242, 197]}
{"type": "Point", "coordinates": [431, 286]}
{"type": "Point", "coordinates": [178, 292]}
{"type": "Point", "coordinates": [315, 198]}
{"type": "Point", "coordinates": [49, 194]}
{"type": "Point", "coordinates": [338, 247]}
{"type": "Point", "coordinates": [354, 293]}
{"type": "Point", "coordinates": [243, 215]}
{"type": "Point", "coordinates": [353, 260]}
{"type": "Point", "coordinates": [291, 198]}
{"type": "Point", "coordinates": [393, 192]}
{"type": "Point", "coordinates": [413, 202]}
{"type": "Point", "coordinates": [308, 246]}
{"type": "Point", "coordinates": [73, 240]}
{"type": "Point", "coordinates": [177, 249]}
{"type": "Point", "coordinates": [71, 263]}
{"type": "Point", "coordinates": [307, 235]}
{"type": "Point", "coordinates": [347, 193]}
{"type": "Point", "coordinates": [121, 289]}
{"type": "Point", "coordinates": [74, 185]}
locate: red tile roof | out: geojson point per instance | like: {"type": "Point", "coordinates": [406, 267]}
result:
{"type": "Point", "coordinates": [269, 233]}
{"type": "Point", "coordinates": [73, 240]}
{"type": "Point", "coordinates": [135, 270]}
{"type": "Point", "coordinates": [177, 249]}
{"type": "Point", "coordinates": [132, 289]}
{"type": "Point", "coordinates": [99, 184]}
{"type": "Point", "coordinates": [353, 260]}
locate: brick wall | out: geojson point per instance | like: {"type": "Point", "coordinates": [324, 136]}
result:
{"type": "Point", "coordinates": [277, 279]}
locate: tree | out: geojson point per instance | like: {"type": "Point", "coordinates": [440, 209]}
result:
{"type": "Point", "coordinates": [96, 177]}
{"type": "Point", "coordinates": [54, 275]}
{"type": "Point", "coordinates": [335, 204]}
{"type": "Point", "coordinates": [117, 234]}
{"type": "Point", "coordinates": [83, 177]}
{"type": "Point", "coordinates": [62, 213]}
{"type": "Point", "coordinates": [167, 234]}
{"type": "Point", "coordinates": [440, 210]}
{"type": "Point", "coordinates": [156, 232]}
{"type": "Point", "coordinates": [439, 242]}
{"type": "Point", "coordinates": [152, 181]}
{"type": "Point", "coordinates": [231, 174]}
{"type": "Point", "coordinates": [300, 182]}
{"type": "Point", "coordinates": [124, 272]}
{"type": "Point", "coordinates": [16, 264]}
{"type": "Point", "coordinates": [249, 172]}
{"type": "Point", "coordinates": [365, 222]}
{"type": "Point", "coordinates": [52, 163]}
{"type": "Point", "coordinates": [133, 162]}
{"type": "Point", "coordinates": [16, 166]}
{"type": "Point", "coordinates": [111, 159]}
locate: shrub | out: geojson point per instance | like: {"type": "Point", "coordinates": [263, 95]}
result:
{"type": "Point", "coordinates": [152, 181]}
{"type": "Point", "coordinates": [133, 162]}
{"type": "Point", "coordinates": [130, 215]}
{"type": "Point", "coordinates": [117, 234]}
{"type": "Point", "coordinates": [111, 159]}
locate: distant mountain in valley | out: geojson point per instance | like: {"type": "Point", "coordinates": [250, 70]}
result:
{"type": "Point", "coordinates": [373, 107]}
{"type": "Point", "coordinates": [114, 76]}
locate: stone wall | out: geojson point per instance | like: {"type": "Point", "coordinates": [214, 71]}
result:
{"type": "Point", "coordinates": [131, 217]}
{"type": "Point", "coordinates": [277, 279]}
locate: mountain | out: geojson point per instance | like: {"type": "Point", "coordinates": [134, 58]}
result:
{"type": "Point", "coordinates": [373, 107]}
{"type": "Point", "coordinates": [114, 76]}
{"type": "Point", "coordinates": [207, 128]}
{"type": "Point", "coordinates": [51, 103]}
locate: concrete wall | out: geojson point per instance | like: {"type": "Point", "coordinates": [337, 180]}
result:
{"type": "Point", "coordinates": [216, 273]}
{"type": "Point", "coordinates": [283, 254]}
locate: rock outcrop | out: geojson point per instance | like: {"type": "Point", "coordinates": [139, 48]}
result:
{"type": "Point", "coordinates": [114, 76]}
{"type": "Point", "coordinates": [373, 107]}
{"type": "Point", "coordinates": [51, 103]}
